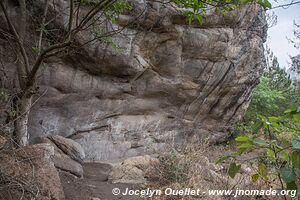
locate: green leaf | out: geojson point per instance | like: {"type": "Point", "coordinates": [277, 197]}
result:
{"type": "Point", "coordinates": [285, 155]}
{"type": "Point", "coordinates": [275, 121]}
{"type": "Point", "coordinates": [288, 175]}
{"type": "Point", "coordinates": [259, 141]}
{"type": "Point", "coordinates": [291, 109]}
{"type": "Point", "coordinates": [270, 153]}
{"type": "Point", "coordinates": [267, 4]}
{"type": "Point", "coordinates": [233, 169]}
{"type": "Point", "coordinates": [263, 170]}
{"type": "Point", "coordinates": [296, 116]}
{"type": "Point", "coordinates": [295, 157]}
{"type": "Point", "coordinates": [223, 158]}
{"type": "Point", "coordinates": [244, 147]}
{"type": "Point", "coordinates": [242, 138]}
{"type": "Point", "coordinates": [262, 118]}
{"type": "Point", "coordinates": [254, 178]}
{"type": "Point", "coordinates": [258, 125]}
{"type": "Point", "coordinates": [200, 19]}
{"type": "Point", "coordinates": [296, 144]}
{"type": "Point", "coordinates": [190, 20]}
{"type": "Point", "coordinates": [291, 186]}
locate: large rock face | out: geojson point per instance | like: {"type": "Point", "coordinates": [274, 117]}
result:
{"type": "Point", "coordinates": [167, 83]}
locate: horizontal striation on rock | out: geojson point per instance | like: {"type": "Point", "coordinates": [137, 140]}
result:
{"type": "Point", "coordinates": [168, 83]}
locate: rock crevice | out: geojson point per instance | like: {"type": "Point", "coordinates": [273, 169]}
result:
{"type": "Point", "coordinates": [168, 83]}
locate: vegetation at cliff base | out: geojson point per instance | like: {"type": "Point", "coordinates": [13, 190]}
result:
{"type": "Point", "coordinates": [144, 93]}
{"type": "Point", "coordinates": [270, 131]}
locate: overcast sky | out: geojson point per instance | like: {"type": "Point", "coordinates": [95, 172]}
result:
{"type": "Point", "coordinates": [278, 34]}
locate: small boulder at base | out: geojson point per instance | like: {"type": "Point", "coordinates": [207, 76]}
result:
{"type": "Point", "coordinates": [68, 154]}
{"type": "Point", "coordinates": [132, 170]}
{"type": "Point", "coordinates": [65, 163]}
{"type": "Point", "coordinates": [69, 147]}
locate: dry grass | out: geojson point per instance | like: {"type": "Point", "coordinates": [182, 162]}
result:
{"type": "Point", "coordinates": [191, 168]}
{"type": "Point", "coordinates": [14, 186]}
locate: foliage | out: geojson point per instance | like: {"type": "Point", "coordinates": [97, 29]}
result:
{"type": "Point", "coordinates": [278, 78]}
{"type": "Point", "coordinates": [111, 15]}
{"type": "Point", "coordinates": [265, 100]}
{"type": "Point", "coordinates": [275, 93]}
{"type": "Point", "coordinates": [119, 7]}
{"type": "Point", "coordinates": [271, 130]}
{"type": "Point", "coordinates": [279, 149]}
{"type": "Point", "coordinates": [193, 9]}
{"type": "Point", "coordinates": [99, 34]}
{"type": "Point", "coordinates": [196, 9]}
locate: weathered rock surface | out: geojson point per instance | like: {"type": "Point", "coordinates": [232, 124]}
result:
{"type": "Point", "coordinates": [29, 170]}
{"type": "Point", "coordinates": [4, 142]}
{"type": "Point", "coordinates": [69, 147]}
{"type": "Point", "coordinates": [167, 83]}
{"type": "Point", "coordinates": [132, 170]}
{"type": "Point", "coordinates": [66, 164]}
{"type": "Point", "coordinates": [68, 154]}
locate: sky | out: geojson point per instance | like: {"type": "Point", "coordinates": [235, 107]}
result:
{"type": "Point", "coordinates": [278, 34]}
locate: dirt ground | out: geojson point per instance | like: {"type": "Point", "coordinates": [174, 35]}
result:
{"type": "Point", "coordinates": [94, 184]}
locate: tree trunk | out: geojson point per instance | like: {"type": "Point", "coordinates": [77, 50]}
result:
{"type": "Point", "coordinates": [23, 103]}
{"type": "Point", "coordinates": [21, 122]}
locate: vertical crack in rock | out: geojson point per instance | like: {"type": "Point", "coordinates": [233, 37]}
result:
{"type": "Point", "coordinates": [169, 82]}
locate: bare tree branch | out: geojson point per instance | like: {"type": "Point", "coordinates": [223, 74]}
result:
{"type": "Point", "coordinates": [285, 6]}
{"type": "Point", "coordinates": [71, 16]}
{"type": "Point", "coordinates": [39, 60]}
{"type": "Point", "coordinates": [17, 37]}
{"type": "Point", "coordinates": [102, 5]}
{"type": "Point", "coordinates": [43, 26]}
